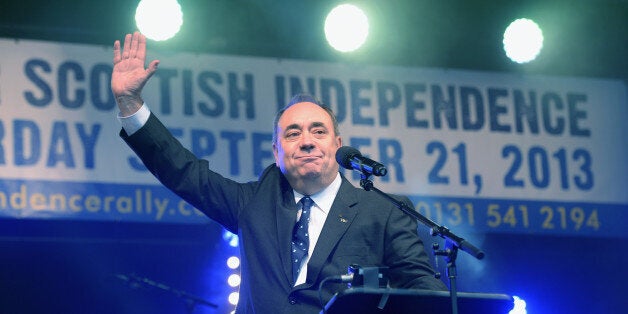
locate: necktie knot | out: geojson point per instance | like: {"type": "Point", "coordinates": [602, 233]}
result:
{"type": "Point", "coordinates": [306, 203]}
{"type": "Point", "coordinates": [300, 236]}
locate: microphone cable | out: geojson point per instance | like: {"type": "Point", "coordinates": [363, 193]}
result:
{"type": "Point", "coordinates": [338, 279]}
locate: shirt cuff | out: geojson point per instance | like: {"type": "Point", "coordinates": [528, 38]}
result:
{"type": "Point", "coordinates": [136, 121]}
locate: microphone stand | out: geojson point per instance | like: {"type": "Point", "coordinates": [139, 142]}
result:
{"type": "Point", "coordinates": [452, 241]}
{"type": "Point", "coordinates": [191, 301]}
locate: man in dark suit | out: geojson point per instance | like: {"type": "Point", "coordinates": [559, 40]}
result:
{"type": "Point", "coordinates": [343, 225]}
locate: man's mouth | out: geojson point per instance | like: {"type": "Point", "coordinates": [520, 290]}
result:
{"type": "Point", "coordinates": [309, 158]}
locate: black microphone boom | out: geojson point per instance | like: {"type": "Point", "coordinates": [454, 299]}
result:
{"type": "Point", "coordinates": [351, 158]}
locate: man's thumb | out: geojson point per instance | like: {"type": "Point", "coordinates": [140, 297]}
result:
{"type": "Point", "coordinates": [152, 68]}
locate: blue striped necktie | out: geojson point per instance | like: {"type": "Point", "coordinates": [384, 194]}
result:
{"type": "Point", "coordinates": [300, 237]}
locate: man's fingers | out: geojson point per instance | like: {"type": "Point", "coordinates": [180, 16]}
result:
{"type": "Point", "coordinates": [127, 46]}
{"type": "Point", "coordinates": [141, 47]}
{"type": "Point", "coordinates": [116, 52]}
{"type": "Point", "coordinates": [134, 47]}
{"type": "Point", "coordinates": [152, 68]}
{"type": "Point", "coordinates": [135, 43]}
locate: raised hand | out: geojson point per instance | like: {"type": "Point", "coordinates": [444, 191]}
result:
{"type": "Point", "coordinates": [129, 75]}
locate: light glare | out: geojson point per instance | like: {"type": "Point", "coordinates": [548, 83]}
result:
{"type": "Point", "coordinates": [520, 306]}
{"type": "Point", "coordinates": [230, 238]}
{"type": "Point", "coordinates": [233, 298]}
{"type": "Point", "coordinates": [234, 280]}
{"type": "Point", "coordinates": [233, 262]}
{"type": "Point", "coordinates": [523, 40]}
{"type": "Point", "coordinates": [346, 28]}
{"type": "Point", "coordinates": [158, 19]}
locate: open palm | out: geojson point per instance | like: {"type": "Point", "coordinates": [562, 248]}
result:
{"type": "Point", "coordinates": [129, 75]}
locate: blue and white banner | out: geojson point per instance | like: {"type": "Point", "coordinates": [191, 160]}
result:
{"type": "Point", "coordinates": [484, 152]}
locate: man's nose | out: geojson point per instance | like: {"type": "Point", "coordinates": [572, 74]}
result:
{"type": "Point", "coordinates": [306, 141]}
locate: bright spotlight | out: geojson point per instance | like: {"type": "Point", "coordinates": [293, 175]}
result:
{"type": "Point", "coordinates": [158, 19]}
{"type": "Point", "coordinates": [233, 262]}
{"type": "Point", "coordinates": [523, 40]}
{"type": "Point", "coordinates": [234, 280]}
{"type": "Point", "coordinates": [346, 28]}
{"type": "Point", "coordinates": [230, 238]}
{"type": "Point", "coordinates": [233, 298]}
{"type": "Point", "coordinates": [520, 306]}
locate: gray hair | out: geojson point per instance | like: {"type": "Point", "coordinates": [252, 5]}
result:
{"type": "Point", "coordinates": [304, 98]}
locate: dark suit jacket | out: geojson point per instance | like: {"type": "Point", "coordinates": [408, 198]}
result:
{"type": "Point", "coordinates": [361, 228]}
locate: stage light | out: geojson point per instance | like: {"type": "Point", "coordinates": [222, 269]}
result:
{"type": "Point", "coordinates": [523, 40]}
{"type": "Point", "coordinates": [158, 19]}
{"type": "Point", "coordinates": [234, 280]}
{"type": "Point", "coordinates": [233, 262]}
{"type": "Point", "coordinates": [346, 28]}
{"type": "Point", "coordinates": [230, 238]}
{"type": "Point", "coordinates": [520, 306]}
{"type": "Point", "coordinates": [233, 298]}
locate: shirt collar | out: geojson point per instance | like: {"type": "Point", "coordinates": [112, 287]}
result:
{"type": "Point", "coordinates": [325, 198]}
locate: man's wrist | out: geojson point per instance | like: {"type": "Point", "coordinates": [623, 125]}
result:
{"type": "Point", "coordinates": [135, 121]}
{"type": "Point", "coordinates": [129, 105]}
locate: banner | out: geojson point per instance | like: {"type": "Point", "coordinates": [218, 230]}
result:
{"type": "Point", "coordinates": [483, 152]}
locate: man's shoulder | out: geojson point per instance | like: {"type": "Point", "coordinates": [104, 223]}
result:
{"type": "Point", "coordinates": [270, 172]}
{"type": "Point", "coordinates": [272, 177]}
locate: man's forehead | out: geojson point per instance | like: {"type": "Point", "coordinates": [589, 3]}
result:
{"type": "Point", "coordinates": [303, 111]}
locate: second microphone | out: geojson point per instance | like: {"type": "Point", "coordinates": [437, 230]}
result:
{"type": "Point", "coordinates": [351, 158]}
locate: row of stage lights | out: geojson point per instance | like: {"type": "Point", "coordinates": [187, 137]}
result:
{"type": "Point", "coordinates": [346, 28]}
{"type": "Point", "coordinates": [233, 263]}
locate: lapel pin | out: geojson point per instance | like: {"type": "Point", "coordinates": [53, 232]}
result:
{"type": "Point", "coordinates": [342, 219]}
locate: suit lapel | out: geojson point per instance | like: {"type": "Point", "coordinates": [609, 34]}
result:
{"type": "Point", "coordinates": [286, 211]}
{"type": "Point", "coordinates": [338, 221]}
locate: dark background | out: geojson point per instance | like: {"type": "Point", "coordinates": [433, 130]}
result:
{"type": "Point", "coordinates": [71, 266]}
{"type": "Point", "coordinates": [582, 37]}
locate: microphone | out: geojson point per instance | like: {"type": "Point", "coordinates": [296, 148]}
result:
{"type": "Point", "coordinates": [341, 279]}
{"type": "Point", "coordinates": [351, 158]}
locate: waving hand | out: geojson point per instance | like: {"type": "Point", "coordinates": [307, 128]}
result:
{"type": "Point", "coordinates": [129, 75]}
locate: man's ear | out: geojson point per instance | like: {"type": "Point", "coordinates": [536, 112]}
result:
{"type": "Point", "coordinates": [275, 154]}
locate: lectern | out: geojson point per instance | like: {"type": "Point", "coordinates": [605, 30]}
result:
{"type": "Point", "coordinates": [405, 301]}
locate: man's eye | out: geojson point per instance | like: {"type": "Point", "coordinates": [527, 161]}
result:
{"type": "Point", "coordinates": [292, 134]}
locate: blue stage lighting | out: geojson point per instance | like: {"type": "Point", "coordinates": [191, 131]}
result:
{"type": "Point", "coordinates": [520, 306]}
{"type": "Point", "coordinates": [234, 280]}
{"type": "Point", "coordinates": [233, 262]}
{"type": "Point", "coordinates": [230, 238]}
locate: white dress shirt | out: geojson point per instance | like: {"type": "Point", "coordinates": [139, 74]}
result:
{"type": "Point", "coordinates": [322, 204]}
{"type": "Point", "coordinates": [134, 122]}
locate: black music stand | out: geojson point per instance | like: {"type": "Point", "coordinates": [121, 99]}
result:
{"type": "Point", "coordinates": [402, 301]}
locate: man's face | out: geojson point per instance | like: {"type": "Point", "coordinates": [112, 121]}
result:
{"type": "Point", "coordinates": [306, 146]}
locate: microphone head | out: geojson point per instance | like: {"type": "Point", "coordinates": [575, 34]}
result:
{"type": "Point", "coordinates": [344, 155]}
